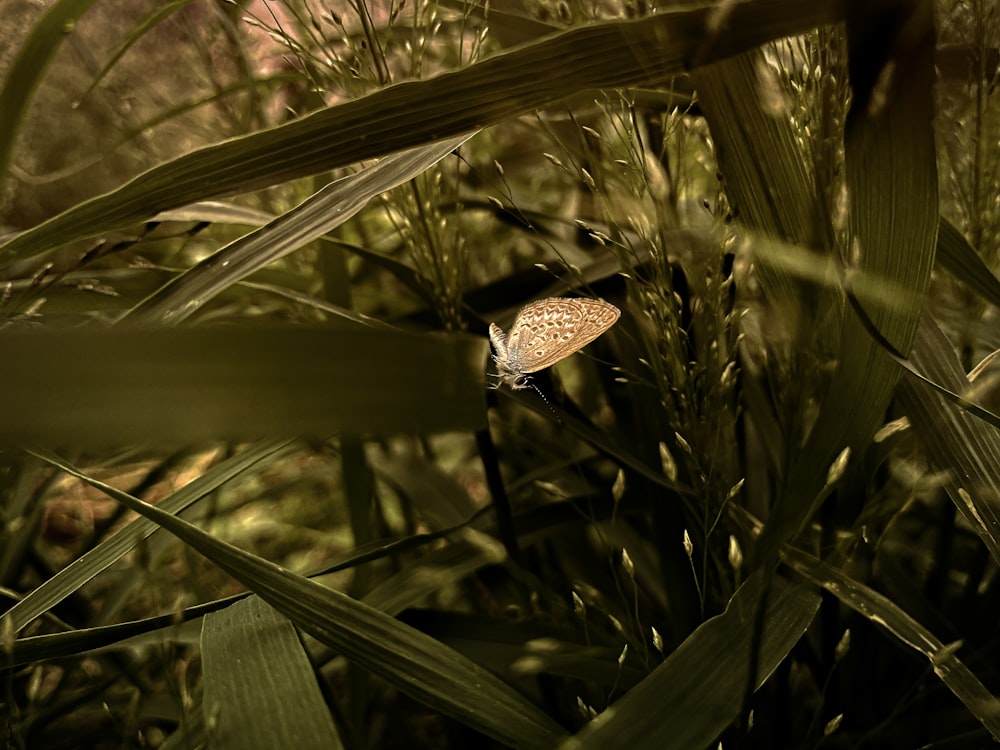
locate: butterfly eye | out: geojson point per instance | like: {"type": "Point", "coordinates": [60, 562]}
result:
{"type": "Point", "coordinates": [521, 381]}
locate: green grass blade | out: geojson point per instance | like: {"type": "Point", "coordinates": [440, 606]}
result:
{"type": "Point", "coordinates": [255, 670]}
{"type": "Point", "coordinates": [28, 69]}
{"type": "Point", "coordinates": [955, 440]}
{"type": "Point", "coordinates": [96, 386]}
{"type": "Point", "coordinates": [411, 661]}
{"type": "Point", "coordinates": [84, 568]}
{"type": "Point", "coordinates": [892, 188]}
{"type": "Point", "coordinates": [690, 698]}
{"type": "Point", "coordinates": [414, 583]}
{"type": "Point", "coordinates": [958, 256]}
{"type": "Point", "coordinates": [420, 112]}
{"type": "Point", "coordinates": [156, 16]}
{"type": "Point", "coordinates": [321, 213]}
{"type": "Point", "coordinates": [882, 611]}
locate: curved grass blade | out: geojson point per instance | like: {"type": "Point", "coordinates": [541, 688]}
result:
{"type": "Point", "coordinates": [955, 440]}
{"type": "Point", "coordinates": [690, 698]}
{"type": "Point", "coordinates": [28, 68]}
{"type": "Point", "coordinates": [883, 612]}
{"type": "Point", "coordinates": [507, 85]}
{"type": "Point", "coordinates": [119, 544]}
{"type": "Point", "coordinates": [958, 256]}
{"type": "Point", "coordinates": [418, 586]}
{"type": "Point", "coordinates": [155, 17]}
{"type": "Point", "coordinates": [411, 661]}
{"type": "Point", "coordinates": [321, 213]}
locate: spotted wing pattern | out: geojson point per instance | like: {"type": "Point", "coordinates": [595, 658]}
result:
{"type": "Point", "coordinates": [549, 330]}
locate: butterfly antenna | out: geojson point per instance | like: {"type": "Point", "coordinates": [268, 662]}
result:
{"type": "Point", "coordinates": [547, 403]}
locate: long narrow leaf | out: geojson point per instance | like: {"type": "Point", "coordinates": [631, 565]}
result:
{"type": "Point", "coordinates": [419, 112]}
{"type": "Point", "coordinates": [413, 583]}
{"type": "Point", "coordinates": [413, 662]}
{"type": "Point", "coordinates": [955, 440]}
{"type": "Point", "coordinates": [84, 568]}
{"type": "Point", "coordinates": [958, 256]}
{"type": "Point", "coordinates": [883, 612]}
{"type": "Point", "coordinates": [892, 187]}
{"type": "Point", "coordinates": [97, 386]}
{"type": "Point", "coordinates": [321, 213]}
{"type": "Point", "coordinates": [690, 698]}
{"type": "Point", "coordinates": [28, 69]}
{"type": "Point", "coordinates": [255, 664]}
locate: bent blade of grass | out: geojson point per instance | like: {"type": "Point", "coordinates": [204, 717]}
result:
{"type": "Point", "coordinates": [510, 84]}
{"type": "Point", "coordinates": [155, 631]}
{"type": "Point", "coordinates": [416, 664]}
{"type": "Point", "coordinates": [156, 16]}
{"type": "Point", "coordinates": [883, 612]}
{"type": "Point", "coordinates": [28, 69]}
{"type": "Point", "coordinates": [84, 568]}
{"type": "Point", "coordinates": [445, 568]}
{"type": "Point", "coordinates": [961, 259]}
{"type": "Point", "coordinates": [954, 440]}
{"type": "Point", "coordinates": [690, 698]}
{"type": "Point", "coordinates": [321, 213]}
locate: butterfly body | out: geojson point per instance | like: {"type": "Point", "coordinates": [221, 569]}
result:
{"type": "Point", "coordinates": [546, 332]}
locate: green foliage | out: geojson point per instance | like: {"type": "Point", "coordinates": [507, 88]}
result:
{"type": "Point", "coordinates": [762, 510]}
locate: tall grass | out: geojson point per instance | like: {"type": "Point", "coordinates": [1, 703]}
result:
{"type": "Point", "coordinates": [257, 491]}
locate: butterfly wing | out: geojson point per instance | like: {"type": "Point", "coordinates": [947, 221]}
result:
{"type": "Point", "coordinates": [499, 340]}
{"type": "Point", "coordinates": [549, 330]}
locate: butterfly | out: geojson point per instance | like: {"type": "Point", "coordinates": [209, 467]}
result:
{"type": "Point", "coordinates": [545, 332]}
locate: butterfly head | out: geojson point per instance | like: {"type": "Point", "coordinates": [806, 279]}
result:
{"type": "Point", "coordinates": [510, 375]}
